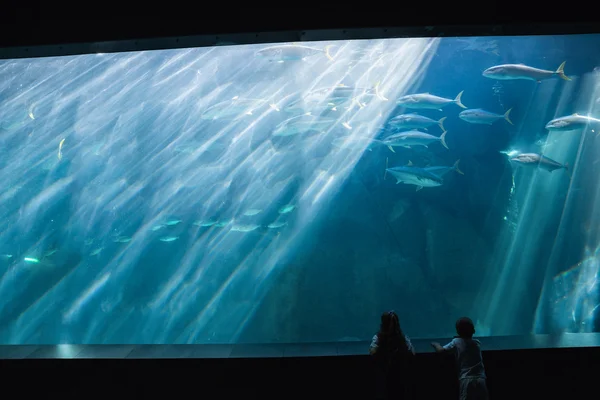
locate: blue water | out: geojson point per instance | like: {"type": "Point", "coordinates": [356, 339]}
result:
{"type": "Point", "coordinates": [167, 196]}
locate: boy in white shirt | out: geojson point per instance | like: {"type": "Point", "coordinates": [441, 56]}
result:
{"type": "Point", "coordinates": [472, 378]}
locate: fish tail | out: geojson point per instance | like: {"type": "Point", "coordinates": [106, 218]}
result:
{"type": "Point", "coordinates": [391, 149]}
{"type": "Point", "coordinates": [455, 166]}
{"type": "Point", "coordinates": [507, 116]}
{"type": "Point", "coordinates": [443, 140]}
{"type": "Point", "coordinates": [378, 93]}
{"type": "Point", "coordinates": [457, 100]}
{"type": "Point", "coordinates": [561, 72]}
{"type": "Point", "coordinates": [441, 123]}
{"type": "Point", "coordinates": [386, 168]}
{"type": "Point", "coordinates": [568, 170]}
{"type": "Point", "coordinates": [327, 53]}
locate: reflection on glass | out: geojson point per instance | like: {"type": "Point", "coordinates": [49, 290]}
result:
{"type": "Point", "coordinates": [290, 193]}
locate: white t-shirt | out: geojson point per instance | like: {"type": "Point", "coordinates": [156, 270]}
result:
{"type": "Point", "coordinates": [468, 357]}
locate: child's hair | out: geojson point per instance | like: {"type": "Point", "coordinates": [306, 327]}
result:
{"type": "Point", "coordinates": [465, 327]}
{"type": "Point", "coordinates": [390, 334]}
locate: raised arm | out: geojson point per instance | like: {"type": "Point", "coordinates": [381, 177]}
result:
{"type": "Point", "coordinates": [442, 349]}
{"type": "Point", "coordinates": [409, 344]}
{"type": "Point", "coordinates": [374, 345]}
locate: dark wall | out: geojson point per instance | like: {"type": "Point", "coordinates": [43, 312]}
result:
{"type": "Point", "coordinates": [539, 374]}
{"type": "Point", "coordinates": [43, 23]}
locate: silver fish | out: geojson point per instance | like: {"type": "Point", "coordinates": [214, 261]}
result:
{"type": "Point", "coordinates": [276, 225]}
{"type": "Point", "coordinates": [443, 170]}
{"type": "Point", "coordinates": [521, 71]}
{"type": "Point", "coordinates": [538, 160]}
{"type": "Point", "coordinates": [341, 94]}
{"type": "Point", "coordinates": [428, 101]}
{"type": "Point", "coordinates": [235, 108]}
{"type": "Point", "coordinates": [303, 123]}
{"type": "Point", "coordinates": [244, 228]}
{"type": "Point", "coordinates": [288, 208]}
{"type": "Point", "coordinates": [479, 116]}
{"type": "Point", "coordinates": [411, 175]}
{"type": "Point", "coordinates": [292, 52]}
{"type": "Point", "coordinates": [415, 121]}
{"type": "Point", "coordinates": [169, 238]}
{"type": "Point", "coordinates": [252, 211]}
{"type": "Point", "coordinates": [351, 142]}
{"type": "Point", "coordinates": [413, 138]}
{"type": "Point", "coordinates": [572, 122]}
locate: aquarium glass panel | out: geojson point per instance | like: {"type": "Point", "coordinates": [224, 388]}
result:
{"type": "Point", "coordinates": [287, 193]}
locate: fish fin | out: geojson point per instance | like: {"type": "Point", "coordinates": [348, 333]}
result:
{"type": "Point", "coordinates": [561, 72]}
{"type": "Point", "coordinates": [386, 168]}
{"type": "Point", "coordinates": [378, 93]}
{"type": "Point", "coordinates": [568, 170]}
{"type": "Point", "coordinates": [575, 115]}
{"type": "Point", "coordinates": [391, 149]}
{"type": "Point", "coordinates": [425, 129]}
{"type": "Point", "coordinates": [456, 167]}
{"type": "Point", "coordinates": [419, 188]}
{"type": "Point", "coordinates": [458, 101]}
{"type": "Point", "coordinates": [507, 116]}
{"type": "Point", "coordinates": [334, 109]}
{"type": "Point", "coordinates": [409, 163]}
{"type": "Point", "coordinates": [30, 111]}
{"type": "Point", "coordinates": [443, 139]}
{"type": "Point", "coordinates": [441, 123]}
{"type": "Point", "coordinates": [327, 53]}
{"type": "Point", "coordinates": [398, 181]}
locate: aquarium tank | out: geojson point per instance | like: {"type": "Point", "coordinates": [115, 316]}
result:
{"type": "Point", "coordinates": [292, 192]}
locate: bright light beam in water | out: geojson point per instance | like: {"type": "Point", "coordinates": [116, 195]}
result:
{"type": "Point", "coordinates": [570, 299]}
{"type": "Point", "coordinates": [518, 255]}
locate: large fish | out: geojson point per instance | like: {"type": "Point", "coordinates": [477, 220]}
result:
{"type": "Point", "coordinates": [479, 116]}
{"type": "Point", "coordinates": [330, 98]}
{"type": "Point", "coordinates": [443, 170]}
{"type": "Point", "coordinates": [413, 138]}
{"type": "Point", "coordinates": [538, 160]}
{"type": "Point", "coordinates": [521, 71]}
{"type": "Point", "coordinates": [235, 108]}
{"type": "Point", "coordinates": [415, 121]}
{"type": "Point", "coordinates": [291, 52]}
{"type": "Point", "coordinates": [572, 122]}
{"type": "Point", "coordinates": [341, 94]}
{"type": "Point", "coordinates": [411, 175]}
{"type": "Point", "coordinates": [353, 142]}
{"type": "Point", "coordinates": [428, 101]}
{"type": "Point", "coordinates": [303, 123]}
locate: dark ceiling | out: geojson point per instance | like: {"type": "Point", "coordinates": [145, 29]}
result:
{"type": "Point", "coordinates": [30, 23]}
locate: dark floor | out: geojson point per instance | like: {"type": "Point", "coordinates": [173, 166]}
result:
{"type": "Point", "coordinates": [570, 340]}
